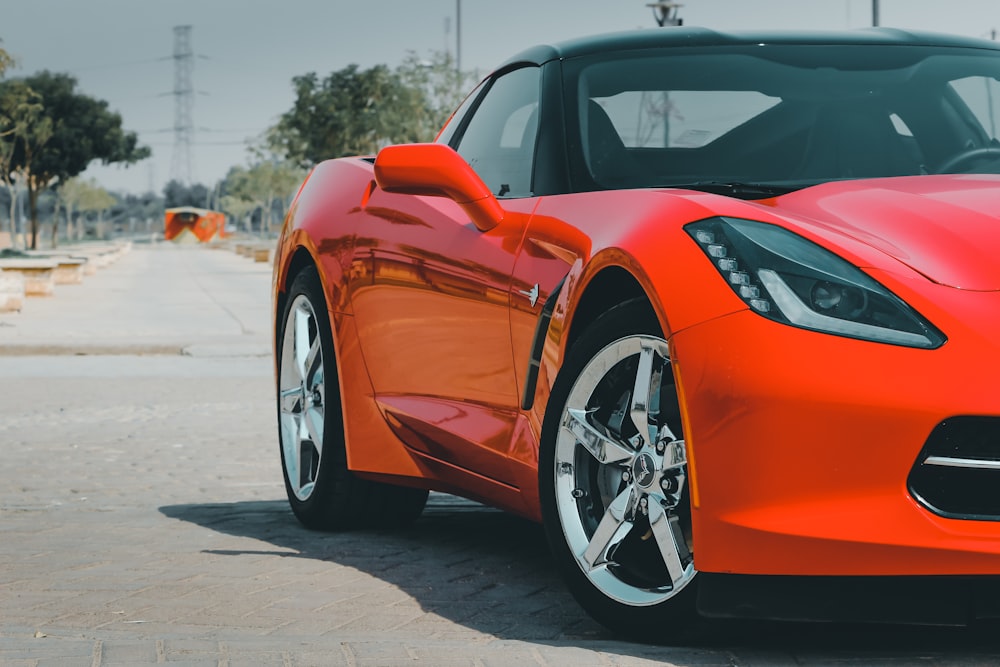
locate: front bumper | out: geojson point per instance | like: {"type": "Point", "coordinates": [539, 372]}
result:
{"type": "Point", "coordinates": [801, 445]}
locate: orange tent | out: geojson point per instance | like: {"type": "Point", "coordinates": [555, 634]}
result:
{"type": "Point", "coordinates": [187, 223]}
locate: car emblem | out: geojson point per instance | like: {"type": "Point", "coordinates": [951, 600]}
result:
{"type": "Point", "coordinates": [644, 470]}
{"type": "Point", "coordinates": [532, 295]}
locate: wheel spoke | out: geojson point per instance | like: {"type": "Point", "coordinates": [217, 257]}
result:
{"type": "Point", "coordinates": [600, 446]}
{"type": "Point", "coordinates": [303, 344]}
{"type": "Point", "coordinates": [674, 454]}
{"type": "Point", "coordinates": [291, 428]}
{"type": "Point", "coordinates": [306, 453]}
{"type": "Point", "coordinates": [642, 392]}
{"type": "Point", "coordinates": [670, 541]}
{"type": "Point", "coordinates": [666, 434]}
{"type": "Point", "coordinates": [290, 400]}
{"type": "Point", "coordinates": [611, 530]}
{"type": "Point", "coordinates": [312, 365]}
{"type": "Point", "coordinates": [312, 421]}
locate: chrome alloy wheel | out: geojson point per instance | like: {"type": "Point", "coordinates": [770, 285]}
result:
{"type": "Point", "coordinates": [620, 474]}
{"type": "Point", "coordinates": [302, 398]}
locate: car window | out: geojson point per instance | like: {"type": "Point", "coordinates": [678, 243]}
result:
{"type": "Point", "coordinates": [982, 95]}
{"type": "Point", "coordinates": [780, 116]}
{"type": "Point", "coordinates": [681, 118]}
{"type": "Point", "coordinates": [499, 140]}
{"type": "Point", "coordinates": [453, 124]}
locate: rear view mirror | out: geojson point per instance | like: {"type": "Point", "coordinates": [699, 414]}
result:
{"type": "Point", "coordinates": [437, 170]}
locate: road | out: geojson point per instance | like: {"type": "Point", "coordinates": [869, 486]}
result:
{"type": "Point", "coordinates": [143, 518]}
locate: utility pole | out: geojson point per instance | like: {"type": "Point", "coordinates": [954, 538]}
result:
{"type": "Point", "coordinates": [458, 35]}
{"type": "Point", "coordinates": [665, 13]}
{"type": "Point", "coordinates": [875, 21]}
{"type": "Point", "coordinates": [180, 168]}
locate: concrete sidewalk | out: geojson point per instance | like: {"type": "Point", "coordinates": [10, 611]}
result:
{"type": "Point", "coordinates": [156, 299]}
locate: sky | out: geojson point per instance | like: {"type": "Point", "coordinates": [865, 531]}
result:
{"type": "Point", "coordinates": [248, 51]}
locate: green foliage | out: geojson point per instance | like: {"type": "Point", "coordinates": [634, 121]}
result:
{"type": "Point", "coordinates": [22, 123]}
{"type": "Point", "coordinates": [177, 194]}
{"type": "Point", "coordinates": [239, 209]}
{"type": "Point", "coordinates": [80, 196]}
{"type": "Point", "coordinates": [350, 112]}
{"type": "Point", "coordinates": [85, 196]}
{"type": "Point", "coordinates": [6, 62]}
{"type": "Point", "coordinates": [24, 128]}
{"type": "Point", "coordinates": [443, 87]}
{"type": "Point", "coordinates": [71, 131]}
{"type": "Point", "coordinates": [260, 187]}
{"type": "Point", "coordinates": [20, 111]}
{"type": "Point", "coordinates": [83, 130]}
{"type": "Point", "coordinates": [356, 111]}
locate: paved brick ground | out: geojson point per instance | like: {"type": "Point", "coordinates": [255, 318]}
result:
{"type": "Point", "coordinates": [143, 520]}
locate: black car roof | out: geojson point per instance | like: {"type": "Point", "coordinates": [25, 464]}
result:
{"type": "Point", "coordinates": [690, 36]}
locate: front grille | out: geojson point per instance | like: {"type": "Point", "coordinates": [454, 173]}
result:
{"type": "Point", "coordinates": [957, 474]}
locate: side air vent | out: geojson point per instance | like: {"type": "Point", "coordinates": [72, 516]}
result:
{"type": "Point", "coordinates": [957, 474]}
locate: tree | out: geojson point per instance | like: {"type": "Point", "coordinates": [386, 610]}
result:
{"type": "Point", "coordinates": [443, 86]}
{"type": "Point", "coordinates": [71, 194]}
{"type": "Point", "coordinates": [356, 112]}
{"type": "Point", "coordinates": [139, 213]}
{"type": "Point", "coordinates": [262, 185]}
{"type": "Point", "coordinates": [239, 209]}
{"type": "Point", "coordinates": [177, 194]}
{"type": "Point", "coordinates": [82, 196]}
{"type": "Point", "coordinates": [7, 128]}
{"type": "Point", "coordinates": [6, 61]}
{"type": "Point", "coordinates": [96, 199]}
{"type": "Point", "coordinates": [350, 112]}
{"type": "Point", "coordinates": [82, 130]}
{"type": "Point", "coordinates": [22, 123]}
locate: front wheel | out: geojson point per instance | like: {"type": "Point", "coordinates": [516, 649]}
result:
{"type": "Point", "coordinates": [613, 473]}
{"type": "Point", "coordinates": [323, 493]}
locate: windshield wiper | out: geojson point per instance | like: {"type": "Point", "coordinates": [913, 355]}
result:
{"type": "Point", "coordinates": [739, 189]}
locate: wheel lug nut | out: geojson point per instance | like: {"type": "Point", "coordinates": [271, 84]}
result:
{"type": "Point", "coordinates": [661, 447]}
{"type": "Point", "coordinates": [643, 505]}
{"type": "Point", "coordinates": [626, 476]}
{"type": "Point", "coordinates": [578, 493]}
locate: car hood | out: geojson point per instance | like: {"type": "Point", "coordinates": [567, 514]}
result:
{"type": "Point", "coordinates": [945, 227]}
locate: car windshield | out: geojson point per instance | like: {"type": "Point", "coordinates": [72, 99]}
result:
{"type": "Point", "coordinates": [759, 120]}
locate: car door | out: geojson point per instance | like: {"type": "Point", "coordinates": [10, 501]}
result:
{"type": "Point", "coordinates": [430, 292]}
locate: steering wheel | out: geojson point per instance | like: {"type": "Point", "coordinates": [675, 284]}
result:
{"type": "Point", "coordinates": [966, 157]}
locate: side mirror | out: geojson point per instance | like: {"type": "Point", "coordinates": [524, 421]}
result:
{"type": "Point", "coordinates": [437, 170]}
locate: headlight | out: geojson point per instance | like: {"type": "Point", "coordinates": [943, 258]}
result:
{"type": "Point", "coordinates": [786, 278]}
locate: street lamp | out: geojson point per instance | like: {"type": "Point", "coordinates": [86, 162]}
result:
{"type": "Point", "coordinates": [665, 13]}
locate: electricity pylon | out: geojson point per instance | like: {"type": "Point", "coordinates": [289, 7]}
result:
{"type": "Point", "coordinates": [180, 167]}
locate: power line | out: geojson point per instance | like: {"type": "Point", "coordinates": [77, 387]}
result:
{"type": "Point", "coordinates": [201, 143]}
{"type": "Point", "coordinates": [124, 63]}
{"type": "Point", "coordinates": [210, 130]}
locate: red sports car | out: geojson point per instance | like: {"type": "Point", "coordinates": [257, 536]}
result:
{"type": "Point", "coordinates": [712, 307]}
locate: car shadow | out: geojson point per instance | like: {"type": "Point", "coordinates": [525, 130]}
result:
{"type": "Point", "coordinates": [492, 572]}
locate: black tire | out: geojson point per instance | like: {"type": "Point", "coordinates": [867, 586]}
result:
{"type": "Point", "coordinates": [620, 529]}
{"type": "Point", "coordinates": [322, 492]}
